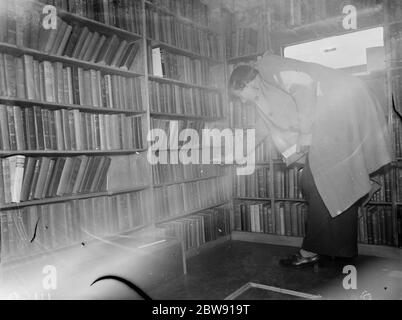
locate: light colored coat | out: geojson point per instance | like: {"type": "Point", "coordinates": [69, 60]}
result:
{"type": "Point", "coordinates": [350, 137]}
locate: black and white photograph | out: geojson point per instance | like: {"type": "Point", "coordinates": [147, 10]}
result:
{"type": "Point", "coordinates": [200, 156]}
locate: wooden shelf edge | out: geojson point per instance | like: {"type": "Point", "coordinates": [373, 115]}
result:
{"type": "Point", "coordinates": [9, 153]}
{"type": "Point", "coordinates": [182, 116]}
{"type": "Point", "coordinates": [364, 249]}
{"type": "Point", "coordinates": [162, 185]}
{"type": "Point", "coordinates": [190, 212]}
{"type": "Point", "coordinates": [56, 105]}
{"type": "Point", "coordinates": [182, 83]}
{"type": "Point", "coordinates": [45, 201]}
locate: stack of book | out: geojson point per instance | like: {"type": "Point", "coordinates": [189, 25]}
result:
{"type": "Point", "coordinates": [26, 178]}
{"type": "Point", "coordinates": [178, 199]}
{"type": "Point", "coordinates": [174, 99]}
{"type": "Point", "coordinates": [288, 183]}
{"type": "Point", "coordinates": [200, 228]}
{"type": "Point", "coordinates": [37, 229]}
{"type": "Point", "coordinates": [167, 29]}
{"type": "Point", "coordinates": [194, 10]}
{"type": "Point", "coordinates": [182, 68]}
{"type": "Point", "coordinates": [176, 173]}
{"type": "Point", "coordinates": [376, 226]}
{"type": "Point", "coordinates": [286, 220]}
{"type": "Point", "coordinates": [36, 128]}
{"type": "Point", "coordinates": [256, 185]}
{"type": "Point", "coordinates": [123, 14]}
{"type": "Point", "coordinates": [27, 78]}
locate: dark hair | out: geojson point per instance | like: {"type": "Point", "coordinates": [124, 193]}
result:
{"type": "Point", "coordinates": [241, 76]}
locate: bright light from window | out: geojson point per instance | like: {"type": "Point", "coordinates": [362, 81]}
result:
{"type": "Point", "coordinates": [344, 51]}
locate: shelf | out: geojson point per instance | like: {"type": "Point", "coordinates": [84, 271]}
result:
{"type": "Point", "coordinates": [9, 153]}
{"type": "Point", "coordinates": [379, 203]}
{"type": "Point", "coordinates": [179, 17]}
{"type": "Point", "coordinates": [56, 105]}
{"type": "Point", "coordinates": [189, 213]}
{"type": "Point", "coordinates": [12, 206]}
{"type": "Point", "coordinates": [364, 249]}
{"type": "Point", "coordinates": [251, 56]}
{"type": "Point", "coordinates": [252, 199]}
{"type": "Point", "coordinates": [162, 185]}
{"type": "Point", "coordinates": [14, 50]}
{"type": "Point", "coordinates": [186, 52]}
{"type": "Point", "coordinates": [99, 26]}
{"type": "Point", "coordinates": [176, 116]}
{"type": "Point", "coordinates": [181, 83]}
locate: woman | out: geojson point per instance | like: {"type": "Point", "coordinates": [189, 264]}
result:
{"type": "Point", "coordinates": [330, 121]}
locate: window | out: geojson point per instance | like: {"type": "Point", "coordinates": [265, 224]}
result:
{"type": "Point", "coordinates": [357, 52]}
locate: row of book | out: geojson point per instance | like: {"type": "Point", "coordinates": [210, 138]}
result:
{"type": "Point", "coordinates": [245, 41]}
{"type": "Point", "coordinates": [395, 10]}
{"type": "Point", "coordinates": [287, 184]}
{"type": "Point", "coordinates": [27, 78]}
{"type": "Point", "coordinates": [38, 229]}
{"type": "Point", "coordinates": [26, 178]}
{"type": "Point", "coordinates": [175, 173]}
{"type": "Point", "coordinates": [74, 40]}
{"type": "Point", "coordinates": [200, 228]}
{"type": "Point", "coordinates": [195, 10]}
{"type": "Point", "coordinates": [36, 128]}
{"type": "Point", "coordinates": [385, 181]}
{"type": "Point", "coordinates": [376, 226]}
{"type": "Point", "coordinates": [178, 199]}
{"type": "Point", "coordinates": [167, 29]}
{"type": "Point", "coordinates": [182, 68]}
{"type": "Point", "coordinates": [174, 99]}
{"type": "Point", "coordinates": [286, 220]}
{"type": "Point", "coordinates": [123, 14]}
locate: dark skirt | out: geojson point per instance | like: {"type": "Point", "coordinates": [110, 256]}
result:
{"type": "Point", "coordinates": [335, 237]}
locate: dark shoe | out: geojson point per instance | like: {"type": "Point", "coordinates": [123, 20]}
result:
{"type": "Point", "coordinates": [298, 261]}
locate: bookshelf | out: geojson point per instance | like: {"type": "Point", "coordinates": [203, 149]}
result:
{"type": "Point", "coordinates": [300, 25]}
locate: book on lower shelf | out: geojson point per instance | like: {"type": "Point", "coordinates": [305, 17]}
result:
{"type": "Point", "coordinates": [54, 82]}
{"type": "Point", "coordinates": [199, 228]}
{"type": "Point", "coordinates": [37, 128]}
{"type": "Point", "coordinates": [174, 99]}
{"type": "Point", "coordinates": [288, 219]}
{"type": "Point", "coordinates": [377, 227]}
{"type": "Point", "coordinates": [398, 182]}
{"type": "Point", "coordinates": [180, 199]}
{"type": "Point", "coordinates": [38, 229]}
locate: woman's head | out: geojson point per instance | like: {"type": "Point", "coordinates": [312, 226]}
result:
{"type": "Point", "coordinates": [241, 82]}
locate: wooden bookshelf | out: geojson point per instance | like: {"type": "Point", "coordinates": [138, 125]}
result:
{"type": "Point", "coordinates": [206, 246]}
{"type": "Point", "coordinates": [330, 26]}
{"type": "Point", "coordinates": [163, 185]}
